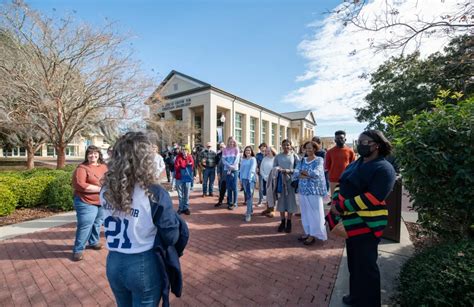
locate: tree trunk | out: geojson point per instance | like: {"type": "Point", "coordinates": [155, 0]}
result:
{"type": "Point", "coordinates": [30, 158]}
{"type": "Point", "coordinates": [61, 153]}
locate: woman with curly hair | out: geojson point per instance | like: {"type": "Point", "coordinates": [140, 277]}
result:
{"type": "Point", "coordinates": [132, 199]}
{"type": "Point", "coordinates": [86, 181]}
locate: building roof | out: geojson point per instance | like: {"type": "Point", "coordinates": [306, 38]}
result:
{"type": "Point", "coordinates": [206, 86]}
{"type": "Point", "coordinates": [303, 115]}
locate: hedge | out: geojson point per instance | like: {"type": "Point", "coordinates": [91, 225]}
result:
{"type": "Point", "coordinates": [8, 200]}
{"type": "Point", "coordinates": [439, 276]}
{"type": "Point", "coordinates": [34, 191]}
{"type": "Point", "coordinates": [60, 193]}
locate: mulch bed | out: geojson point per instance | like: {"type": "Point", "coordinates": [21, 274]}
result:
{"type": "Point", "coordinates": [420, 239]}
{"type": "Point", "coordinates": [26, 214]}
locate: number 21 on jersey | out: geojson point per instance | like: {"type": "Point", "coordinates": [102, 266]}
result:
{"type": "Point", "coordinates": [117, 232]}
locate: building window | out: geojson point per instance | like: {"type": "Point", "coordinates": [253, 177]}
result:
{"type": "Point", "coordinates": [274, 140]}
{"type": "Point", "coordinates": [175, 87]}
{"type": "Point", "coordinates": [282, 131]}
{"type": "Point", "coordinates": [264, 131]}
{"type": "Point", "coordinates": [198, 128]}
{"type": "Point", "coordinates": [238, 127]}
{"type": "Point", "coordinates": [71, 150]}
{"type": "Point", "coordinates": [51, 152]}
{"type": "Point", "coordinates": [253, 124]}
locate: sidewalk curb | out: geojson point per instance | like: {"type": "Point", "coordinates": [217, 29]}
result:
{"type": "Point", "coordinates": [14, 230]}
{"type": "Point", "coordinates": [391, 258]}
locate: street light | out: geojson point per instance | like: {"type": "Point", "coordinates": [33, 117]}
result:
{"type": "Point", "coordinates": [222, 119]}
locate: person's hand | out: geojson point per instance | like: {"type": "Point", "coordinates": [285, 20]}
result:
{"type": "Point", "coordinates": [304, 173]}
{"type": "Point", "coordinates": [334, 210]}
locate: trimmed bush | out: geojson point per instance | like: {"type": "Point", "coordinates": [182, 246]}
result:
{"type": "Point", "coordinates": [439, 276]}
{"type": "Point", "coordinates": [8, 201]}
{"type": "Point", "coordinates": [60, 192]}
{"type": "Point", "coordinates": [33, 191]}
{"type": "Point", "coordinates": [434, 150]}
{"type": "Point", "coordinates": [14, 184]}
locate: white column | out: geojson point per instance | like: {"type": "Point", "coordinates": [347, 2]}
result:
{"type": "Point", "coordinates": [209, 123]}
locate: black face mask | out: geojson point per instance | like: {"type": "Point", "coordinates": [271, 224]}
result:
{"type": "Point", "coordinates": [364, 150]}
{"type": "Point", "coordinates": [339, 143]}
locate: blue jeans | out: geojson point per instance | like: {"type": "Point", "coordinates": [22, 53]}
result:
{"type": "Point", "coordinates": [209, 175]}
{"type": "Point", "coordinates": [261, 188]}
{"type": "Point", "coordinates": [183, 194]}
{"type": "Point", "coordinates": [89, 220]}
{"type": "Point", "coordinates": [232, 190]}
{"type": "Point", "coordinates": [135, 279]}
{"type": "Point", "coordinates": [249, 187]}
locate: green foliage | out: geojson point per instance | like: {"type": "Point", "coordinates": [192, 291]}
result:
{"type": "Point", "coordinates": [34, 191]}
{"type": "Point", "coordinates": [439, 276]}
{"type": "Point", "coordinates": [404, 85]}
{"type": "Point", "coordinates": [8, 200]}
{"type": "Point", "coordinates": [13, 183]}
{"type": "Point", "coordinates": [60, 192]}
{"type": "Point", "coordinates": [436, 156]}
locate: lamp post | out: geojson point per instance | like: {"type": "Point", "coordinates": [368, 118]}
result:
{"type": "Point", "coordinates": [222, 120]}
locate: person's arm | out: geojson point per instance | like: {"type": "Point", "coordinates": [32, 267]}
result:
{"type": "Point", "coordinates": [253, 166]}
{"type": "Point", "coordinates": [352, 156]}
{"type": "Point", "coordinates": [190, 161]}
{"type": "Point", "coordinates": [327, 162]}
{"type": "Point", "coordinates": [318, 171]}
{"type": "Point", "coordinates": [81, 184]}
{"type": "Point", "coordinates": [373, 199]}
{"type": "Point", "coordinates": [235, 165]}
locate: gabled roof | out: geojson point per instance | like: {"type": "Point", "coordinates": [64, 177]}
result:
{"type": "Point", "coordinates": [300, 115]}
{"type": "Point", "coordinates": [174, 72]}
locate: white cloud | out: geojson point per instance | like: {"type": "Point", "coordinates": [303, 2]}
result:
{"type": "Point", "coordinates": [333, 87]}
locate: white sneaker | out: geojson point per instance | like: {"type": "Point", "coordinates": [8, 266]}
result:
{"type": "Point", "coordinates": [260, 205]}
{"type": "Point", "coordinates": [248, 217]}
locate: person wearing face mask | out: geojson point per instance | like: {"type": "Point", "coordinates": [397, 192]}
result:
{"type": "Point", "coordinates": [360, 200]}
{"type": "Point", "coordinates": [337, 159]}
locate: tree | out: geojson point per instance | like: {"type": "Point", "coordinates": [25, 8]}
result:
{"type": "Point", "coordinates": [400, 32]}
{"type": "Point", "coordinates": [403, 85]}
{"type": "Point", "coordinates": [74, 76]}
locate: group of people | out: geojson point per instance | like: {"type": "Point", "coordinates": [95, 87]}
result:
{"type": "Point", "coordinates": [124, 196]}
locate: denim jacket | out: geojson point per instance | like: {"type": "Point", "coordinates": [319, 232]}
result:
{"type": "Point", "coordinates": [170, 241]}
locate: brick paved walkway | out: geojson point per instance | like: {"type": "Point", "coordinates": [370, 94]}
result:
{"type": "Point", "coordinates": [227, 262]}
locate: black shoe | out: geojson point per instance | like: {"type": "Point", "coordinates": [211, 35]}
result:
{"type": "Point", "coordinates": [211, 194]}
{"type": "Point", "coordinates": [348, 300]}
{"type": "Point", "coordinates": [230, 207]}
{"type": "Point", "coordinates": [288, 226]}
{"type": "Point", "coordinates": [282, 226]}
{"type": "Point", "coordinates": [218, 205]}
{"type": "Point", "coordinates": [187, 212]}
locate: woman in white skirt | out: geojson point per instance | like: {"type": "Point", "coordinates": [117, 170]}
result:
{"type": "Point", "coordinates": [311, 189]}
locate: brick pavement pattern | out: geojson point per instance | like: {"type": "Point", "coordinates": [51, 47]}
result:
{"type": "Point", "coordinates": [228, 262]}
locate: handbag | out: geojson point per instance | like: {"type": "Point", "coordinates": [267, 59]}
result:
{"type": "Point", "coordinates": [296, 182]}
{"type": "Point", "coordinates": [339, 230]}
{"type": "Point", "coordinates": [187, 174]}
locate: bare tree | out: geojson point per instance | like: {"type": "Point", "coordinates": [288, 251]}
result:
{"type": "Point", "coordinates": [171, 130]}
{"type": "Point", "coordinates": [401, 33]}
{"type": "Point", "coordinates": [74, 76]}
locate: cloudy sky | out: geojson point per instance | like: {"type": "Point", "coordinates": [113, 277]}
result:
{"type": "Point", "coordinates": [337, 55]}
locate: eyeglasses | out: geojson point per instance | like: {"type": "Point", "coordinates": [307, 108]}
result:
{"type": "Point", "coordinates": [364, 142]}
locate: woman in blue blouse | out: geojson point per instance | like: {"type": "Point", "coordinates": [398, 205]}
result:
{"type": "Point", "coordinates": [311, 190]}
{"type": "Point", "coordinates": [248, 176]}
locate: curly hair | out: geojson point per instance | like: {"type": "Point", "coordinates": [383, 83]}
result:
{"type": "Point", "coordinates": [132, 162]}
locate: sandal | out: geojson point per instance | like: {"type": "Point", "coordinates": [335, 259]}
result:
{"type": "Point", "coordinates": [309, 241]}
{"type": "Point", "coordinates": [303, 238]}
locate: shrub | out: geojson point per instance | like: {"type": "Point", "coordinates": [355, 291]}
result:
{"type": "Point", "coordinates": [439, 276]}
{"type": "Point", "coordinates": [33, 191]}
{"type": "Point", "coordinates": [434, 150]}
{"type": "Point", "coordinates": [60, 192]}
{"type": "Point", "coordinates": [8, 201]}
{"type": "Point", "coordinates": [13, 183]}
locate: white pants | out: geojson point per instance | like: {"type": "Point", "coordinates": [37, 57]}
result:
{"type": "Point", "coordinates": [312, 216]}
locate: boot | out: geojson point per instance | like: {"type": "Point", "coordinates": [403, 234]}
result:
{"type": "Point", "coordinates": [282, 225]}
{"type": "Point", "coordinates": [288, 226]}
{"type": "Point", "coordinates": [266, 211]}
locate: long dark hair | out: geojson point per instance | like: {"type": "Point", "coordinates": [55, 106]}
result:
{"type": "Point", "coordinates": [252, 154]}
{"type": "Point", "coordinates": [385, 148]}
{"type": "Point", "coordinates": [93, 148]}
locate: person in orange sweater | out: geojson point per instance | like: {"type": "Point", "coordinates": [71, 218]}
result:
{"type": "Point", "coordinates": [87, 183]}
{"type": "Point", "coordinates": [337, 159]}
